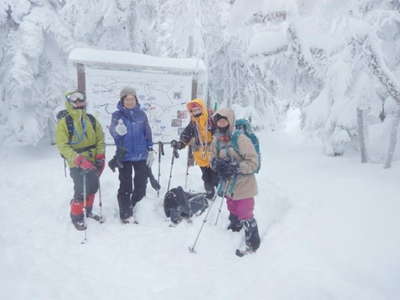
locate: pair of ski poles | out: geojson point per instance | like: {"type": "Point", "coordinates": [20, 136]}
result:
{"type": "Point", "coordinates": [175, 155]}
{"type": "Point", "coordinates": [192, 248]}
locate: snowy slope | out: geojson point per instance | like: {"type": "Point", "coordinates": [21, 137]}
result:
{"type": "Point", "coordinates": [329, 227]}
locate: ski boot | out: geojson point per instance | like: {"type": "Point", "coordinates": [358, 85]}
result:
{"type": "Point", "coordinates": [80, 225]}
{"type": "Point", "coordinates": [95, 217]}
{"type": "Point", "coordinates": [129, 220]}
{"type": "Point", "coordinates": [252, 238]}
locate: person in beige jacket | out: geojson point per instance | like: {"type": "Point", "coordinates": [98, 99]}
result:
{"type": "Point", "coordinates": [236, 170]}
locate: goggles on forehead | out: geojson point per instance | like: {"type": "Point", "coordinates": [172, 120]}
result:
{"type": "Point", "coordinates": [75, 96]}
{"type": "Point", "coordinates": [193, 105]}
{"type": "Point", "coordinates": [196, 109]}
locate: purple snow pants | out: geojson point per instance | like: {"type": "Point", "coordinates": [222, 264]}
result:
{"type": "Point", "coordinates": [242, 208]}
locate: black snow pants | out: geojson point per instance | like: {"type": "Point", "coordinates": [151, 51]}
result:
{"type": "Point", "coordinates": [92, 183]}
{"type": "Point", "coordinates": [129, 194]}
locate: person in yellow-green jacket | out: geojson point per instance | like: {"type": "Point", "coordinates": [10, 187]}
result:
{"type": "Point", "coordinates": [80, 140]}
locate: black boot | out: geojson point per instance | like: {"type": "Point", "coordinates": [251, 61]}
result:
{"type": "Point", "coordinates": [235, 225]}
{"type": "Point", "coordinates": [125, 207]}
{"type": "Point", "coordinates": [251, 234]}
{"type": "Point", "coordinates": [78, 222]}
{"type": "Point", "coordinates": [210, 190]}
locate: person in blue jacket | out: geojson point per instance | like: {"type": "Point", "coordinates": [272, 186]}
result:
{"type": "Point", "coordinates": [132, 135]}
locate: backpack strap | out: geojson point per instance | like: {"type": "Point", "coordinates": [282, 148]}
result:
{"type": "Point", "coordinates": [70, 126]}
{"type": "Point", "coordinates": [92, 120]}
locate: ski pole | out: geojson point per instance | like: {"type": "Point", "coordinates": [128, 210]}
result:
{"type": "Point", "coordinates": [174, 154]}
{"type": "Point", "coordinates": [100, 202]}
{"type": "Point", "coordinates": [65, 168]}
{"type": "Point", "coordinates": [187, 166]}
{"type": "Point", "coordinates": [219, 211]}
{"type": "Point", "coordinates": [222, 202]}
{"type": "Point", "coordinates": [192, 249]}
{"type": "Point", "coordinates": [186, 176]}
{"type": "Point", "coordinates": [160, 152]}
{"type": "Point", "coordinates": [84, 208]}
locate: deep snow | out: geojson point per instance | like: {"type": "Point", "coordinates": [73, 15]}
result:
{"type": "Point", "coordinates": [330, 230]}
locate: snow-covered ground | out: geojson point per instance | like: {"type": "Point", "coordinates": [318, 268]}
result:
{"type": "Point", "coordinates": [329, 226]}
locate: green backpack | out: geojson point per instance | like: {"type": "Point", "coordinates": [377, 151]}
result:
{"type": "Point", "coordinates": [243, 126]}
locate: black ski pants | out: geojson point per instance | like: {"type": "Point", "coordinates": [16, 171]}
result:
{"type": "Point", "coordinates": [210, 180]}
{"type": "Point", "coordinates": [92, 183]}
{"type": "Point", "coordinates": [130, 193]}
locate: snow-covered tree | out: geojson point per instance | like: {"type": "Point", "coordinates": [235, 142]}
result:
{"type": "Point", "coordinates": [336, 62]}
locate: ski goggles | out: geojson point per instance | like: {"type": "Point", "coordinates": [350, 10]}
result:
{"type": "Point", "coordinates": [76, 97]}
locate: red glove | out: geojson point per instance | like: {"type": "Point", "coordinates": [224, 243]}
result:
{"type": "Point", "coordinates": [100, 163]}
{"type": "Point", "coordinates": [83, 163]}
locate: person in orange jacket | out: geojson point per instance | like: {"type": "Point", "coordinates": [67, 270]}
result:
{"type": "Point", "coordinates": [199, 132]}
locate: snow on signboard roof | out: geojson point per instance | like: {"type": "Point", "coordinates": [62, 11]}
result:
{"type": "Point", "coordinates": [125, 59]}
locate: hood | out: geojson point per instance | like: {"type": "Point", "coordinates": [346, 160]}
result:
{"type": "Point", "coordinates": [229, 114]}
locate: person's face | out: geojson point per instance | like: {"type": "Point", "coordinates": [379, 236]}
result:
{"type": "Point", "coordinates": [222, 123]}
{"type": "Point", "coordinates": [130, 101]}
{"type": "Point", "coordinates": [79, 104]}
{"type": "Point", "coordinates": [196, 111]}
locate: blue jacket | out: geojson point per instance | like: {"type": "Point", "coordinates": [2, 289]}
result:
{"type": "Point", "coordinates": [138, 140]}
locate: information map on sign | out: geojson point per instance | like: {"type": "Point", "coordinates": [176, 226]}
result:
{"type": "Point", "coordinates": [162, 96]}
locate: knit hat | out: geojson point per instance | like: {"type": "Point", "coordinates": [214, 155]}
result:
{"type": "Point", "coordinates": [218, 117]}
{"type": "Point", "coordinates": [127, 91]}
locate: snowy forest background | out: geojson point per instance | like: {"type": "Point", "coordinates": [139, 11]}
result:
{"type": "Point", "coordinates": [334, 63]}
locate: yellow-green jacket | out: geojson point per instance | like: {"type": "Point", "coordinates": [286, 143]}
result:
{"type": "Point", "coordinates": [92, 137]}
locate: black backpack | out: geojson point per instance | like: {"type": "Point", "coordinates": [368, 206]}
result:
{"type": "Point", "coordinates": [179, 204]}
{"type": "Point", "coordinates": [70, 123]}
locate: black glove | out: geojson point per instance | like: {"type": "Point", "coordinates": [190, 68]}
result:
{"type": "Point", "coordinates": [177, 144]}
{"type": "Point", "coordinates": [120, 153]}
{"type": "Point", "coordinates": [100, 163]}
{"type": "Point", "coordinates": [116, 161]}
{"type": "Point", "coordinates": [225, 168]}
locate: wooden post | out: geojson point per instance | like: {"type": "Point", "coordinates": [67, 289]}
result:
{"type": "Point", "coordinates": [361, 135]}
{"type": "Point", "coordinates": [80, 68]}
{"type": "Point", "coordinates": [393, 140]}
{"type": "Point", "coordinates": [194, 86]}
{"type": "Point", "coordinates": [190, 158]}
{"type": "Point", "coordinates": [195, 75]}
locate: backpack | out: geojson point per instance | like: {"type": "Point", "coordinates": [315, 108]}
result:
{"type": "Point", "coordinates": [70, 123]}
{"type": "Point", "coordinates": [179, 204]}
{"type": "Point", "coordinates": [243, 126]}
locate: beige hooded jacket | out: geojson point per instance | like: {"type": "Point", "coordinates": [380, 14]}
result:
{"type": "Point", "coordinates": [246, 185]}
